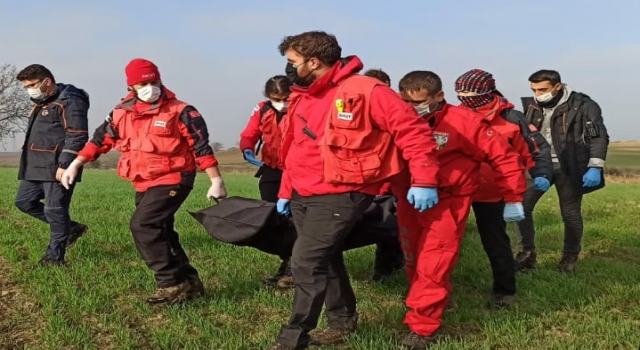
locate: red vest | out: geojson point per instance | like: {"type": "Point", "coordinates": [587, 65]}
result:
{"type": "Point", "coordinates": [354, 151]}
{"type": "Point", "coordinates": [153, 149]}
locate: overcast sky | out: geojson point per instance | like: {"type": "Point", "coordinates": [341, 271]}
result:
{"type": "Point", "coordinates": [217, 54]}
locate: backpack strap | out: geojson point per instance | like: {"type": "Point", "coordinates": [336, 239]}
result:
{"type": "Point", "coordinates": [263, 110]}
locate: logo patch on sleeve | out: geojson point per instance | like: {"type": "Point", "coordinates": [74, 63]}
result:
{"type": "Point", "coordinates": [532, 128]}
{"type": "Point", "coordinates": [194, 114]}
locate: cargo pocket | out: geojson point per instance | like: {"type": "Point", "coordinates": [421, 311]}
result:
{"type": "Point", "coordinates": [358, 169]}
{"type": "Point", "coordinates": [156, 166]}
{"type": "Point", "coordinates": [43, 156]}
{"type": "Point", "coordinates": [351, 116]}
{"type": "Point", "coordinates": [124, 167]}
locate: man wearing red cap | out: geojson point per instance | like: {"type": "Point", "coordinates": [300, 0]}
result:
{"type": "Point", "coordinates": [477, 91]}
{"type": "Point", "coordinates": [163, 141]}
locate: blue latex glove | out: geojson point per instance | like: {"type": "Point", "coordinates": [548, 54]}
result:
{"type": "Point", "coordinates": [250, 157]}
{"type": "Point", "coordinates": [422, 198]}
{"type": "Point", "coordinates": [591, 178]}
{"type": "Point", "coordinates": [283, 206]}
{"type": "Point", "coordinates": [513, 212]}
{"type": "Point", "coordinates": [541, 184]}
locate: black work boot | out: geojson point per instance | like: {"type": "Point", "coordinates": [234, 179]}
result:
{"type": "Point", "coordinates": [499, 301]}
{"type": "Point", "coordinates": [330, 335]}
{"type": "Point", "coordinates": [525, 261]}
{"type": "Point", "coordinates": [48, 261]}
{"type": "Point", "coordinates": [278, 346]}
{"type": "Point", "coordinates": [568, 263]}
{"type": "Point", "coordinates": [77, 231]}
{"type": "Point", "coordinates": [170, 295]}
{"type": "Point", "coordinates": [196, 289]}
{"type": "Point", "coordinates": [380, 274]}
{"type": "Point", "coordinates": [413, 341]}
{"type": "Point", "coordinates": [283, 271]}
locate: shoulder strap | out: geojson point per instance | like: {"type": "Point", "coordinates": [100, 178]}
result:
{"type": "Point", "coordinates": [265, 107]}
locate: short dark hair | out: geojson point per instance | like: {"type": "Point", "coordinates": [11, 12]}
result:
{"type": "Point", "coordinates": [551, 76]}
{"type": "Point", "coordinates": [35, 72]}
{"type": "Point", "coordinates": [279, 84]}
{"type": "Point", "coordinates": [316, 44]}
{"type": "Point", "coordinates": [379, 74]}
{"type": "Point", "coordinates": [421, 79]}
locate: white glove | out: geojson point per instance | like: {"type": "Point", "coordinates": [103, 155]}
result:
{"type": "Point", "coordinates": [217, 189]}
{"type": "Point", "coordinates": [69, 175]}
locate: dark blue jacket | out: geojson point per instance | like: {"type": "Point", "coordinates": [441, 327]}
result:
{"type": "Point", "coordinates": [57, 131]}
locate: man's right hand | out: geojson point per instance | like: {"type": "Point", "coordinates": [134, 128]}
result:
{"type": "Point", "coordinates": [422, 198]}
{"type": "Point", "coordinates": [250, 156]}
{"type": "Point", "coordinates": [541, 184]}
{"type": "Point", "coordinates": [283, 206]}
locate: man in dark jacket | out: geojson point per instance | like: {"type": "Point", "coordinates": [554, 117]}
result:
{"type": "Point", "coordinates": [389, 256]}
{"type": "Point", "coordinates": [572, 123]}
{"type": "Point", "coordinates": [57, 130]}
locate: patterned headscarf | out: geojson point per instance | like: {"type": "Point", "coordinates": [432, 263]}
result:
{"type": "Point", "coordinates": [477, 81]}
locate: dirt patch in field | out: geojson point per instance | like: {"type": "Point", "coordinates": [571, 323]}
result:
{"type": "Point", "coordinates": [20, 319]}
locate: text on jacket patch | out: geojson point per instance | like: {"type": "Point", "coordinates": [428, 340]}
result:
{"type": "Point", "coordinates": [345, 116]}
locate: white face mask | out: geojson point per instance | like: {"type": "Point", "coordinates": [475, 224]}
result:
{"type": "Point", "coordinates": [423, 110]}
{"type": "Point", "coordinates": [35, 92]}
{"type": "Point", "coordinates": [149, 93]}
{"type": "Point", "coordinates": [280, 106]}
{"type": "Point", "coordinates": [544, 97]}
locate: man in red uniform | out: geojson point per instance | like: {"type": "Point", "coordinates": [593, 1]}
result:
{"type": "Point", "coordinates": [162, 140]}
{"type": "Point", "coordinates": [344, 135]}
{"type": "Point", "coordinates": [477, 91]}
{"type": "Point", "coordinates": [431, 240]}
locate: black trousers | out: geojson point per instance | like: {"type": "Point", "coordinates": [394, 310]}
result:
{"type": "Point", "coordinates": [495, 240]}
{"type": "Point", "coordinates": [54, 211]}
{"type": "Point", "coordinates": [317, 264]}
{"type": "Point", "coordinates": [389, 255]}
{"type": "Point", "coordinates": [570, 199]}
{"type": "Point", "coordinates": [269, 184]}
{"type": "Point", "coordinates": [155, 237]}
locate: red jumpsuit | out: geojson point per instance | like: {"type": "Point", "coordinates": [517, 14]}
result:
{"type": "Point", "coordinates": [431, 240]}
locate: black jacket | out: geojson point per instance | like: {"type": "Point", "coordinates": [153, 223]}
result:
{"type": "Point", "coordinates": [57, 131]}
{"type": "Point", "coordinates": [580, 138]}
{"type": "Point", "coordinates": [538, 146]}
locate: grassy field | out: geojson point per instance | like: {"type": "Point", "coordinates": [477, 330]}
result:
{"type": "Point", "coordinates": [97, 302]}
{"type": "Point", "coordinates": [623, 159]}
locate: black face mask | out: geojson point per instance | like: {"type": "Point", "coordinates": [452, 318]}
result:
{"type": "Point", "coordinates": [292, 73]}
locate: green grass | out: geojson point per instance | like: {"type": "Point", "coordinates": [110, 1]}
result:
{"type": "Point", "coordinates": [97, 303]}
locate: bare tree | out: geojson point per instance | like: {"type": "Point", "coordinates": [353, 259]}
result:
{"type": "Point", "coordinates": [14, 103]}
{"type": "Point", "coordinates": [217, 146]}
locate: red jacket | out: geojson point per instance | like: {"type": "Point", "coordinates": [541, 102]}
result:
{"type": "Point", "coordinates": [158, 141]}
{"type": "Point", "coordinates": [303, 164]}
{"type": "Point", "coordinates": [263, 123]}
{"type": "Point", "coordinates": [465, 140]}
{"type": "Point", "coordinates": [489, 189]}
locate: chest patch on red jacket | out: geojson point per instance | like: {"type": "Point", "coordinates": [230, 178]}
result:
{"type": "Point", "coordinates": [441, 139]}
{"type": "Point", "coordinates": [160, 123]}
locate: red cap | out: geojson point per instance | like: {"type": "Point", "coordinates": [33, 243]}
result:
{"type": "Point", "coordinates": [140, 70]}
